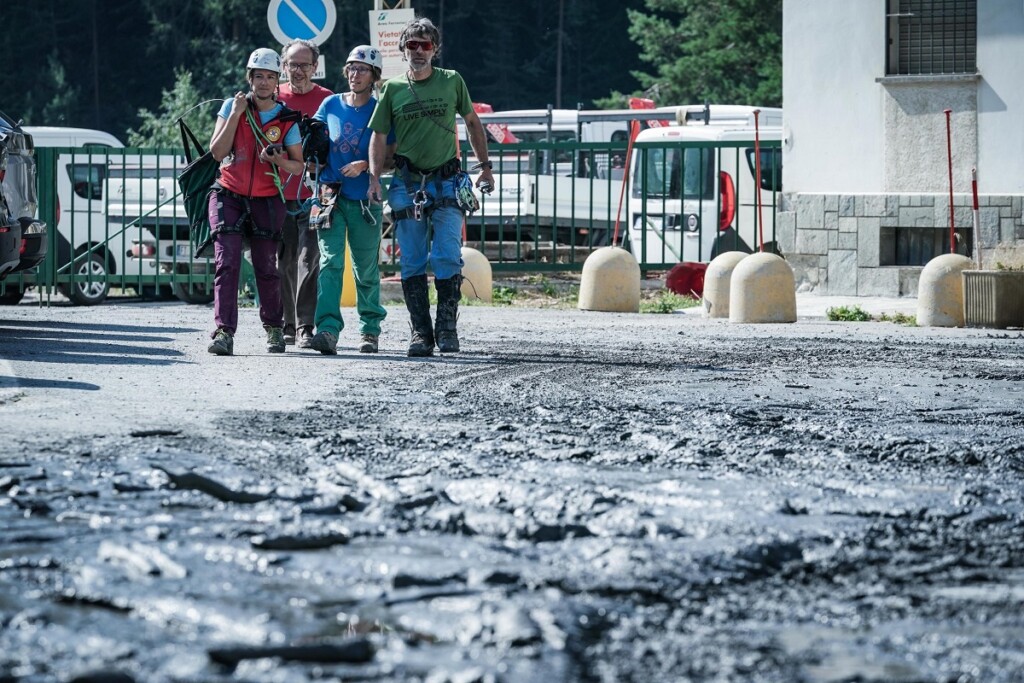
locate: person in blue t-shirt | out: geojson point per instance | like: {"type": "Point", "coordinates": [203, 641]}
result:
{"type": "Point", "coordinates": [343, 186]}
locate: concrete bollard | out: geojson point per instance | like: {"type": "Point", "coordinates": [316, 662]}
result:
{"type": "Point", "coordinates": [716, 283]}
{"type": "Point", "coordinates": [762, 290]}
{"type": "Point", "coordinates": [610, 281]}
{"type": "Point", "coordinates": [476, 275]}
{"type": "Point", "coordinates": [940, 291]}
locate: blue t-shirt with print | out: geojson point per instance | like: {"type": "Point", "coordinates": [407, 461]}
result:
{"type": "Point", "coordinates": [350, 133]}
{"type": "Point", "coordinates": [292, 137]}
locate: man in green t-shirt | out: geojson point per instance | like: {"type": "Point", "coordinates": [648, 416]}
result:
{"type": "Point", "coordinates": [420, 106]}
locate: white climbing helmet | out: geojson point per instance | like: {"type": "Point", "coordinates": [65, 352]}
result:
{"type": "Point", "coordinates": [264, 58]}
{"type": "Point", "coordinates": [367, 54]}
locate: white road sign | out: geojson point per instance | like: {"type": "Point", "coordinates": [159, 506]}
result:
{"type": "Point", "coordinates": [385, 28]}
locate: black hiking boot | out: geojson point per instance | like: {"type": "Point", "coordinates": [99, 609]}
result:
{"type": "Point", "coordinates": [448, 294]}
{"type": "Point", "coordinates": [418, 303]}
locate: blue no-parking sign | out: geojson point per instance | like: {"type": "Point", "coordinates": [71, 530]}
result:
{"type": "Point", "coordinates": [311, 20]}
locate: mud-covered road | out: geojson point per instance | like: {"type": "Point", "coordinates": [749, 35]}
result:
{"type": "Point", "coordinates": [575, 497]}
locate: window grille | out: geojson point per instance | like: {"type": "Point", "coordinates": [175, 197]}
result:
{"type": "Point", "coordinates": [932, 37]}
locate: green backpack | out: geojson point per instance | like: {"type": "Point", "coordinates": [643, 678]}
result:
{"type": "Point", "coordinates": [195, 183]}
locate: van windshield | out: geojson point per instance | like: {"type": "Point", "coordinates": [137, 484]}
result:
{"type": "Point", "coordinates": [674, 173]}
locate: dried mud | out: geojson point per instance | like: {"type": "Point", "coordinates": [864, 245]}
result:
{"type": "Point", "coordinates": [575, 497]}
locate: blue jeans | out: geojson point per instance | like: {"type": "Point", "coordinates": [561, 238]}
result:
{"type": "Point", "coordinates": [444, 247]}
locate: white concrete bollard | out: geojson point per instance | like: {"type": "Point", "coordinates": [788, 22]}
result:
{"type": "Point", "coordinates": [476, 275]}
{"type": "Point", "coordinates": [716, 283]}
{"type": "Point", "coordinates": [940, 291]}
{"type": "Point", "coordinates": [762, 290]}
{"type": "Point", "coordinates": [610, 281]}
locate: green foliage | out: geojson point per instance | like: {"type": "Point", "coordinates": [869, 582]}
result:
{"type": "Point", "coordinates": [107, 64]}
{"type": "Point", "coordinates": [117, 65]}
{"type": "Point", "coordinates": [666, 301]}
{"type": "Point", "coordinates": [899, 319]}
{"type": "Point", "coordinates": [504, 296]}
{"type": "Point", "coordinates": [545, 286]}
{"type": "Point", "coordinates": [848, 314]}
{"type": "Point", "coordinates": [65, 96]}
{"type": "Point", "coordinates": [1008, 267]}
{"type": "Point", "coordinates": [161, 129]}
{"type": "Point", "coordinates": [724, 51]}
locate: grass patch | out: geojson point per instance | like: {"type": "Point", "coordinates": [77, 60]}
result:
{"type": "Point", "coordinates": [848, 314]}
{"type": "Point", "coordinates": [857, 314]}
{"type": "Point", "coordinates": [504, 296]}
{"type": "Point", "coordinates": [544, 286]}
{"type": "Point", "coordinates": [667, 302]}
{"type": "Point", "coordinates": [899, 319]}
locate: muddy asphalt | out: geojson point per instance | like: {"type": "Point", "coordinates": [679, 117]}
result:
{"type": "Point", "coordinates": [574, 497]}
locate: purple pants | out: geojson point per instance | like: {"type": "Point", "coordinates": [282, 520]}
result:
{"type": "Point", "coordinates": [265, 215]}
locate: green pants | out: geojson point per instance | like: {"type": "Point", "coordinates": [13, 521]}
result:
{"type": "Point", "coordinates": [347, 221]}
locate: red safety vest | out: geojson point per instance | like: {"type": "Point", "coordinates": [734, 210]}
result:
{"type": "Point", "coordinates": [246, 174]}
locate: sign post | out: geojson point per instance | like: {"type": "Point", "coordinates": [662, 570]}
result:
{"type": "Point", "coordinates": [311, 20]}
{"type": "Point", "coordinates": [385, 28]}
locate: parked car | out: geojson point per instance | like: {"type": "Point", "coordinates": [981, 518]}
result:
{"type": "Point", "coordinates": [22, 238]}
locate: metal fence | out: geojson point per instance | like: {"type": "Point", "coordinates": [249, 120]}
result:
{"type": "Point", "coordinates": [115, 218]}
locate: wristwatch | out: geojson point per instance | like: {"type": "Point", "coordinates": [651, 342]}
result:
{"type": "Point", "coordinates": [482, 164]}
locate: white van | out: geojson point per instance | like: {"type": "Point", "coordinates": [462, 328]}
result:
{"type": "Point", "coordinates": [89, 225]}
{"type": "Point", "coordinates": [559, 195]}
{"type": "Point", "coordinates": [693, 184]}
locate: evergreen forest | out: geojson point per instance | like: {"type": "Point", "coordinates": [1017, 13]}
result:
{"type": "Point", "coordinates": [130, 67]}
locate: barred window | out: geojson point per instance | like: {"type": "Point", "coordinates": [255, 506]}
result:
{"type": "Point", "coordinates": [932, 37]}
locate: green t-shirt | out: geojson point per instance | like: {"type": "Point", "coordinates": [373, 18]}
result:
{"type": "Point", "coordinates": [420, 119]}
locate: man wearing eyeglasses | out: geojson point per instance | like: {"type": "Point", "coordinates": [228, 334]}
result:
{"type": "Point", "coordinates": [420, 107]}
{"type": "Point", "coordinates": [351, 216]}
{"type": "Point", "coordinates": [300, 257]}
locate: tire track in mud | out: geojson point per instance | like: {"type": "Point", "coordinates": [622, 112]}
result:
{"type": "Point", "coordinates": [564, 514]}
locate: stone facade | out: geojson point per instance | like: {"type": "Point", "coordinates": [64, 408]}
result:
{"type": "Point", "coordinates": [846, 244]}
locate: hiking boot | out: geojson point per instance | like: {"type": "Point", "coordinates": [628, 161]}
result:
{"type": "Point", "coordinates": [324, 342]}
{"type": "Point", "coordinates": [448, 294]}
{"type": "Point", "coordinates": [305, 338]}
{"type": "Point", "coordinates": [289, 335]}
{"type": "Point", "coordinates": [275, 340]}
{"type": "Point", "coordinates": [368, 343]}
{"type": "Point", "coordinates": [420, 345]}
{"type": "Point", "coordinates": [447, 341]}
{"type": "Point", "coordinates": [418, 303]}
{"type": "Point", "coordinates": [223, 343]}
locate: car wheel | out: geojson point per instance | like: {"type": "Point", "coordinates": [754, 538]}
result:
{"type": "Point", "coordinates": [11, 296]}
{"type": "Point", "coordinates": [91, 284]}
{"type": "Point", "coordinates": [195, 293]}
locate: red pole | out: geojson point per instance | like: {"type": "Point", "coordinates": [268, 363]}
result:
{"type": "Point", "coordinates": [977, 217]}
{"type": "Point", "coordinates": [634, 130]}
{"type": "Point", "coordinates": [949, 156]}
{"type": "Point", "coordinates": [757, 180]}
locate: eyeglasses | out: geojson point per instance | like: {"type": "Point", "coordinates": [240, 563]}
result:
{"type": "Point", "coordinates": [291, 66]}
{"type": "Point", "coordinates": [358, 69]}
{"type": "Point", "coordinates": [425, 45]}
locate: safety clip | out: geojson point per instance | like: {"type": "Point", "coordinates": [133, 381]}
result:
{"type": "Point", "coordinates": [418, 200]}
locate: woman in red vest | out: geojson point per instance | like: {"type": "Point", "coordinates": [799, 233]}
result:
{"type": "Point", "coordinates": [256, 139]}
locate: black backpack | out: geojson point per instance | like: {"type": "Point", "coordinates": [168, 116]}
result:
{"type": "Point", "coordinates": [316, 141]}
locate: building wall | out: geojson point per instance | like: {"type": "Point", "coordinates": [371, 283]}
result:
{"type": "Point", "coordinates": [865, 155]}
{"type": "Point", "coordinates": [1000, 96]}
